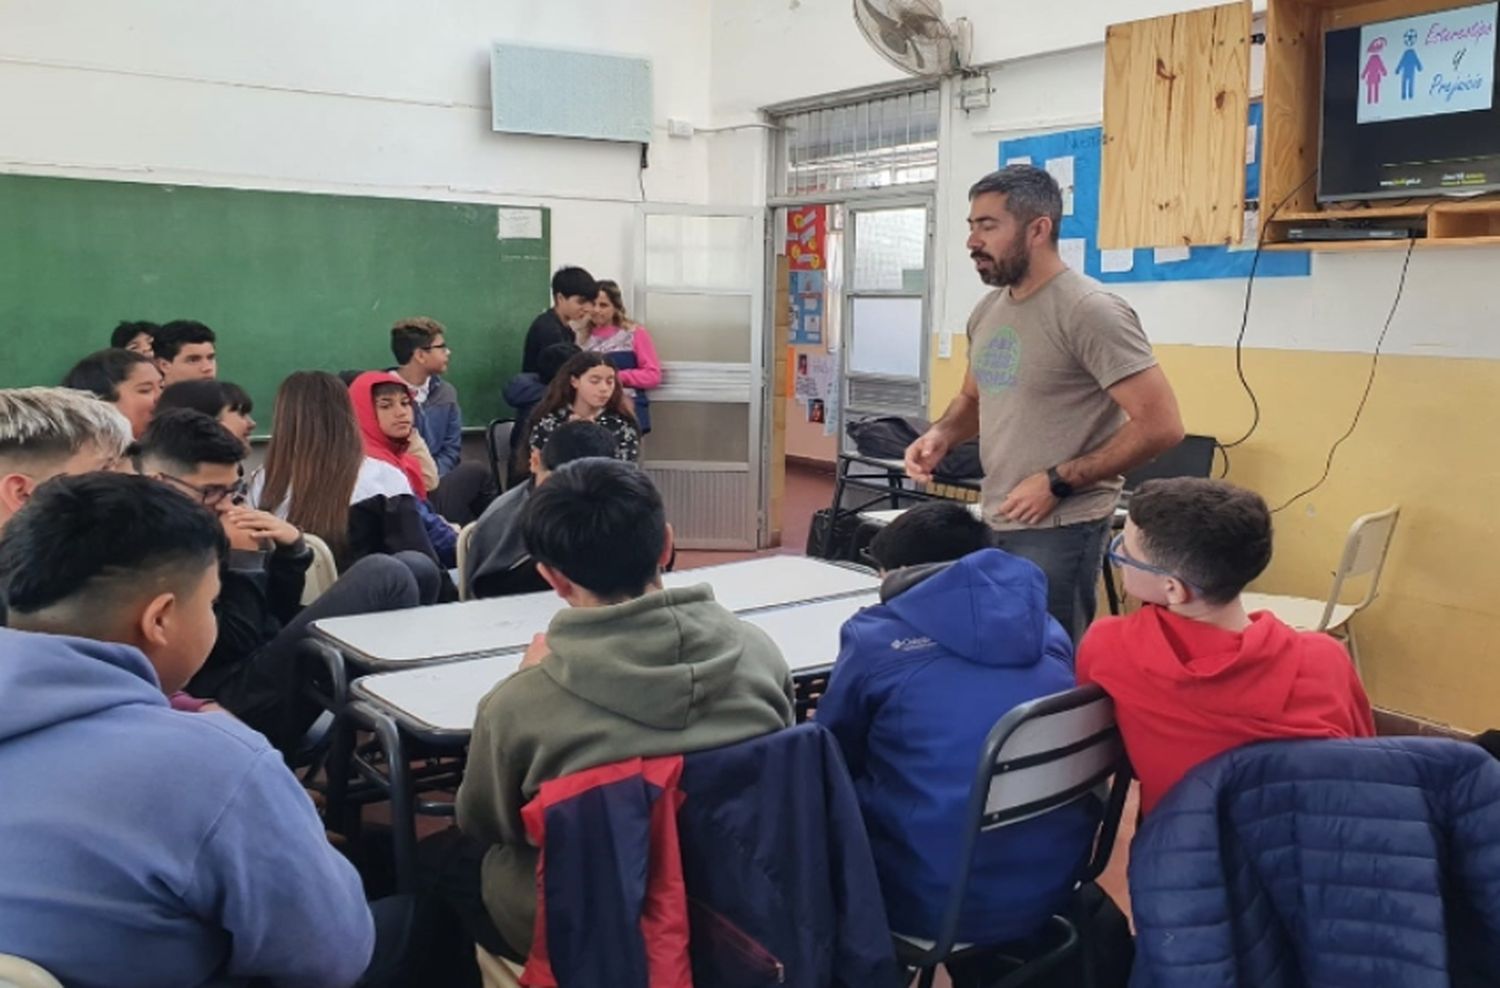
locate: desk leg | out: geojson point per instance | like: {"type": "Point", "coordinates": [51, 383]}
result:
{"type": "Point", "coordinates": [1110, 592]}
{"type": "Point", "coordinates": [398, 777]}
{"type": "Point", "coordinates": [840, 473]}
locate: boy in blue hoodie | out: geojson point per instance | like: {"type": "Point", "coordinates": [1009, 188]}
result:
{"type": "Point", "coordinates": [139, 845]}
{"type": "Point", "coordinates": [961, 635]}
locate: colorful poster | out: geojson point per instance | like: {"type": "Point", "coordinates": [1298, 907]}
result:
{"type": "Point", "coordinates": [1428, 65]}
{"type": "Point", "coordinates": [806, 230]}
{"type": "Point", "coordinates": [806, 293]}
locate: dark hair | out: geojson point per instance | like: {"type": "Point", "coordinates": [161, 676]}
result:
{"type": "Point", "coordinates": [572, 281]}
{"type": "Point", "coordinates": [933, 532]}
{"type": "Point", "coordinates": [128, 330]}
{"type": "Point", "coordinates": [184, 438]}
{"type": "Point", "coordinates": [552, 359]}
{"type": "Point", "coordinates": [599, 522]}
{"type": "Point", "coordinates": [577, 441]}
{"type": "Point", "coordinates": [611, 289]}
{"type": "Point", "coordinates": [103, 371]}
{"type": "Point", "coordinates": [410, 335]}
{"type": "Point", "coordinates": [100, 536]}
{"type": "Point", "coordinates": [313, 460]}
{"type": "Point", "coordinates": [1030, 193]}
{"type": "Point", "coordinates": [212, 398]}
{"type": "Point", "coordinates": [167, 341]}
{"type": "Point", "coordinates": [1209, 533]}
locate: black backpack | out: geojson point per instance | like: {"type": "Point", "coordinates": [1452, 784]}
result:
{"type": "Point", "coordinates": [887, 436]}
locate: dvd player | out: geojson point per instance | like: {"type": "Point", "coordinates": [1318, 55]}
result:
{"type": "Point", "coordinates": [1349, 233]}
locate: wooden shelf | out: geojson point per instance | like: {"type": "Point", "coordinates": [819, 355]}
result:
{"type": "Point", "coordinates": [1355, 246]}
{"type": "Point", "coordinates": [1373, 213]}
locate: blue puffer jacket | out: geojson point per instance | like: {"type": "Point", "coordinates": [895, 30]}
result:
{"type": "Point", "coordinates": [1365, 864]}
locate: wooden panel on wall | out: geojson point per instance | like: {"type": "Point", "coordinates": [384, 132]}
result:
{"type": "Point", "coordinates": [1176, 97]}
{"type": "Point", "coordinates": [1294, 69]}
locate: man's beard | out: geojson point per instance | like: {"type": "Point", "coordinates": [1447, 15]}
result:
{"type": "Point", "coordinates": [1008, 270]}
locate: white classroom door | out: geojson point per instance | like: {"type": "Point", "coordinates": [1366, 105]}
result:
{"type": "Point", "coordinates": [701, 295]}
{"type": "Point", "coordinates": [886, 278]}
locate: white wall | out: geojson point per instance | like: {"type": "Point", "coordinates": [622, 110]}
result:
{"type": "Point", "coordinates": [370, 97]}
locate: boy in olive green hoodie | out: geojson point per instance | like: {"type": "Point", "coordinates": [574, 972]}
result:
{"type": "Point", "coordinates": [629, 670]}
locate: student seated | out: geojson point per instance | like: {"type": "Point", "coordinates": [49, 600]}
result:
{"type": "Point", "coordinates": [961, 636]}
{"type": "Point", "coordinates": [498, 563]}
{"type": "Point", "coordinates": [629, 669]}
{"type": "Point", "coordinates": [228, 404]}
{"type": "Point", "coordinates": [141, 846]}
{"type": "Point", "coordinates": [573, 291]}
{"type": "Point", "coordinates": [252, 670]}
{"type": "Point", "coordinates": [1192, 675]}
{"type": "Point", "coordinates": [463, 490]}
{"type": "Point", "coordinates": [49, 432]}
{"type": "Point", "coordinates": [317, 477]}
{"type": "Point", "coordinates": [184, 351]}
{"type": "Point", "coordinates": [125, 379]}
{"type": "Point", "coordinates": [386, 416]}
{"type": "Point", "coordinates": [587, 389]}
{"type": "Point", "coordinates": [525, 391]}
{"type": "Point", "coordinates": [134, 335]}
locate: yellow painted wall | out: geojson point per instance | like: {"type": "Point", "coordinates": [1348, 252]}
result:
{"type": "Point", "coordinates": [1429, 440]}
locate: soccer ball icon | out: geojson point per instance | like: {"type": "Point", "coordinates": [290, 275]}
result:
{"type": "Point", "coordinates": [1410, 38]}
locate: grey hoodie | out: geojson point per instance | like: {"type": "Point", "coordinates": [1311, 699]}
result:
{"type": "Point", "coordinates": [668, 673]}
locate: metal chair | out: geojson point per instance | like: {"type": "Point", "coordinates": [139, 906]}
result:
{"type": "Point", "coordinates": [18, 972]}
{"type": "Point", "coordinates": [497, 445]}
{"type": "Point", "coordinates": [322, 574]}
{"type": "Point", "coordinates": [1039, 757]}
{"type": "Point", "coordinates": [1365, 552]}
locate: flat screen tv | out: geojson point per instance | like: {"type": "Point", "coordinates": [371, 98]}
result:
{"type": "Point", "coordinates": [1409, 107]}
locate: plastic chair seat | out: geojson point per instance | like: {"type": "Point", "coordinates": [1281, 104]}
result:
{"type": "Point", "coordinates": [1300, 613]}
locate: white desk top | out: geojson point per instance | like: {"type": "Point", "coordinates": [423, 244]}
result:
{"type": "Point", "coordinates": [444, 632]}
{"type": "Point", "coordinates": [440, 700]}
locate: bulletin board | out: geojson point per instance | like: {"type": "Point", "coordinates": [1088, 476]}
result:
{"type": "Point", "coordinates": [1073, 158]}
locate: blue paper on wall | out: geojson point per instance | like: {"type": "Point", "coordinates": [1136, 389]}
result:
{"type": "Point", "coordinates": [1075, 155]}
{"type": "Point", "coordinates": [807, 307]}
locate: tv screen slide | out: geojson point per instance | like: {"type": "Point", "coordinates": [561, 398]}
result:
{"type": "Point", "coordinates": [1409, 106]}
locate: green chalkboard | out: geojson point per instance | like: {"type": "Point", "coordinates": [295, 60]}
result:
{"type": "Point", "coordinates": [288, 281]}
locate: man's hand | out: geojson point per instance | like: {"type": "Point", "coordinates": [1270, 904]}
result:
{"type": "Point", "coordinates": [1031, 502]}
{"type": "Point", "coordinates": [261, 525]}
{"type": "Point", "coordinates": [536, 651]}
{"type": "Point", "coordinates": [924, 455]}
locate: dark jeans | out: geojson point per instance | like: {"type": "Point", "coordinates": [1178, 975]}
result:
{"type": "Point", "coordinates": [464, 493]}
{"type": "Point", "coordinates": [451, 917]}
{"type": "Point", "coordinates": [1072, 557]}
{"type": "Point", "coordinates": [267, 694]}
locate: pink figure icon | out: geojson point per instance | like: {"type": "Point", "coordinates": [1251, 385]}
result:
{"type": "Point", "coordinates": [1374, 71]}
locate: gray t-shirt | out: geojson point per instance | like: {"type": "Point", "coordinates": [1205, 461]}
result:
{"type": "Point", "coordinates": [1044, 367]}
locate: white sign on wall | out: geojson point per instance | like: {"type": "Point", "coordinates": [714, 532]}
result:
{"type": "Point", "coordinates": [1428, 65]}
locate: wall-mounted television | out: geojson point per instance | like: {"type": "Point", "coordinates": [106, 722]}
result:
{"type": "Point", "coordinates": [1410, 107]}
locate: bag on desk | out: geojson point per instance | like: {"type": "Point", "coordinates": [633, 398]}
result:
{"type": "Point", "coordinates": [887, 436]}
{"type": "Point", "coordinates": [850, 537]}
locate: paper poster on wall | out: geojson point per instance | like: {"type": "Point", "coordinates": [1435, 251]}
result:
{"type": "Point", "coordinates": [518, 223]}
{"type": "Point", "coordinates": [806, 231]}
{"type": "Point", "coordinates": [1082, 147]}
{"type": "Point", "coordinates": [816, 377]}
{"type": "Point", "coordinates": [806, 293]}
{"type": "Point", "coordinates": [1427, 65]}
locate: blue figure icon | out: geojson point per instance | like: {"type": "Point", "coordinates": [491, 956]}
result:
{"type": "Point", "coordinates": [1409, 66]}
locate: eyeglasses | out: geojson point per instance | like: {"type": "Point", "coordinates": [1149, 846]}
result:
{"type": "Point", "coordinates": [436, 346]}
{"type": "Point", "coordinates": [1117, 555]}
{"type": "Point", "coordinates": [209, 495]}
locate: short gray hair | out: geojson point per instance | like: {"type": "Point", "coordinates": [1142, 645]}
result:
{"type": "Point", "coordinates": [1030, 192]}
{"type": "Point", "coordinates": [42, 424]}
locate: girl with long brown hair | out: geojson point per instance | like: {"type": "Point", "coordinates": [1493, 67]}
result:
{"type": "Point", "coordinates": [627, 345]}
{"type": "Point", "coordinates": [587, 388]}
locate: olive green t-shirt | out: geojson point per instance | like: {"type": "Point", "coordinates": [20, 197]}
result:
{"type": "Point", "coordinates": [1043, 367]}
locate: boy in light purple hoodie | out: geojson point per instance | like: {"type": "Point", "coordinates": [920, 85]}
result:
{"type": "Point", "coordinates": [139, 845]}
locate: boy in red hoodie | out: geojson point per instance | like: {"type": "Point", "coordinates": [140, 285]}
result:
{"type": "Point", "coordinates": [1191, 673]}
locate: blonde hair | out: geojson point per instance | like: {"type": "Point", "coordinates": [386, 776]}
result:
{"type": "Point", "coordinates": [38, 425]}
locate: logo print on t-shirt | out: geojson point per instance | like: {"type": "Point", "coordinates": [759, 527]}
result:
{"type": "Point", "coordinates": [998, 363]}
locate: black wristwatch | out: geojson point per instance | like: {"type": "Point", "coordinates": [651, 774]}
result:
{"type": "Point", "coordinates": [1060, 488]}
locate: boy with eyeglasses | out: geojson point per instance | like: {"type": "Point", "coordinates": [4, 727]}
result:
{"type": "Point", "coordinates": [1191, 673]}
{"type": "Point", "coordinates": [252, 669]}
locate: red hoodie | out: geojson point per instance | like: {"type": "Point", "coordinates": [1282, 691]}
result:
{"type": "Point", "coordinates": [1186, 691]}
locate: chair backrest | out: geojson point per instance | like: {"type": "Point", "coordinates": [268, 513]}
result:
{"type": "Point", "coordinates": [1043, 755]}
{"type": "Point", "coordinates": [497, 445]}
{"type": "Point", "coordinates": [1193, 457]}
{"type": "Point", "coordinates": [465, 543]}
{"type": "Point", "coordinates": [323, 572]}
{"type": "Point", "coordinates": [1364, 555]}
{"type": "Point", "coordinates": [17, 972]}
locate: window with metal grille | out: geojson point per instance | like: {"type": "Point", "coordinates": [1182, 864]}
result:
{"type": "Point", "coordinates": [871, 144]}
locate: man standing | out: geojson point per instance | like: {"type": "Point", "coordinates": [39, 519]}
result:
{"type": "Point", "coordinates": [1062, 389]}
